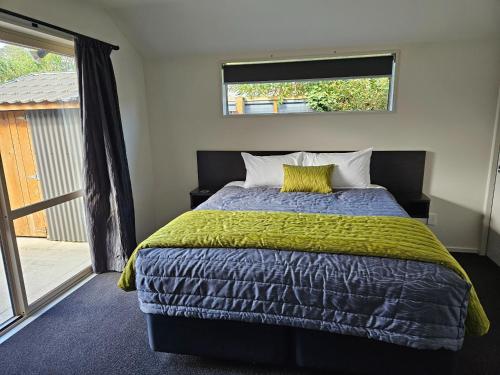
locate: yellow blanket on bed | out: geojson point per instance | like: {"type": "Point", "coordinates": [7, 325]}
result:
{"type": "Point", "coordinates": [381, 236]}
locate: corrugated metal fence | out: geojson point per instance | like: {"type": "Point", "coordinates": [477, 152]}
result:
{"type": "Point", "coordinates": [57, 139]}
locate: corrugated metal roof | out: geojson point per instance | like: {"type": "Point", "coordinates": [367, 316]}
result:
{"type": "Point", "coordinates": [40, 87]}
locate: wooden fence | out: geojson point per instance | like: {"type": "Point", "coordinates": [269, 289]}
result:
{"type": "Point", "coordinates": [20, 172]}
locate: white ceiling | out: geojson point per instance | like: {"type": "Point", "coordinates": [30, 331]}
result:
{"type": "Point", "coordinates": [161, 28]}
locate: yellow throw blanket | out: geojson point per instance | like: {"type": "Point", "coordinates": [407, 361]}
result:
{"type": "Point", "coordinates": [381, 236]}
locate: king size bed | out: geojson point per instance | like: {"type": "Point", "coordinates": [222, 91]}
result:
{"type": "Point", "coordinates": [344, 281]}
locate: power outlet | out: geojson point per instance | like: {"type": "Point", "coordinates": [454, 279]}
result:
{"type": "Point", "coordinates": [433, 219]}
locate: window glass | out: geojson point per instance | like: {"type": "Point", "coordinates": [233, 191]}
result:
{"type": "Point", "coordinates": [365, 94]}
{"type": "Point", "coordinates": [62, 252]}
{"type": "Point", "coordinates": [40, 133]}
{"type": "Point", "coordinates": [6, 311]}
{"type": "Point", "coordinates": [321, 85]}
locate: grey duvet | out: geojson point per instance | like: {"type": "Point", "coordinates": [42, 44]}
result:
{"type": "Point", "coordinates": [416, 304]}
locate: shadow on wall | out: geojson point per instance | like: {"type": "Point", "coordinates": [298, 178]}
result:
{"type": "Point", "coordinates": [453, 216]}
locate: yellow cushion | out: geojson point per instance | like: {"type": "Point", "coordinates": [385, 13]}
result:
{"type": "Point", "coordinates": [307, 179]}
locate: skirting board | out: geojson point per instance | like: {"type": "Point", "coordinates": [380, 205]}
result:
{"type": "Point", "coordinates": [463, 250]}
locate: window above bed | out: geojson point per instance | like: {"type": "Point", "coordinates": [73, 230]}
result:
{"type": "Point", "coordinates": [334, 84]}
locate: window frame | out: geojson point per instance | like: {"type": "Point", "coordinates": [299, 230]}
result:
{"type": "Point", "coordinates": [319, 56]}
{"type": "Point", "coordinates": [15, 36]}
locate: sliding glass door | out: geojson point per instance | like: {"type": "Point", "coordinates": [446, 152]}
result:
{"type": "Point", "coordinates": [44, 241]}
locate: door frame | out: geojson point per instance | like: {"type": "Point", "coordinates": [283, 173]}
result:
{"type": "Point", "coordinates": [22, 310]}
{"type": "Point", "coordinates": [492, 177]}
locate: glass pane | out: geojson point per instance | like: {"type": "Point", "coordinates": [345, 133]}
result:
{"type": "Point", "coordinates": [363, 94]}
{"type": "Point", "coordinates": [40, 134]}
{"type": "Point", "coordinates": [5, 303]}
{"type": "Point", "coordinates": [49, 261]}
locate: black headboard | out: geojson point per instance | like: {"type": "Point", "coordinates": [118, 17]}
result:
{"type": "Point", "coordinates": [398, 171]}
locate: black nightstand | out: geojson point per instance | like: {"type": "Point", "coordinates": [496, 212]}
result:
{"type": "Point", "coordinates": [198, 196]}
{"type": "Point", "coordinates": [416, 204]}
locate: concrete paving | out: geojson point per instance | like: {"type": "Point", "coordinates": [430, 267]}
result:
{"type": "Point", "coordinates": [46, 264]}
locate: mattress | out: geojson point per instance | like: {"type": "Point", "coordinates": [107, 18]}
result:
{"type": "Point", "coordinates": [410, 303]}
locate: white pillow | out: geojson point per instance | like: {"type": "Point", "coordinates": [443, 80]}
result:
{"type": "Point", "coordinates": [268, 170]}
{"type": "Point", "coordinates": [351, 169]}
{"type": "Point", "coordinates": [235, 184]}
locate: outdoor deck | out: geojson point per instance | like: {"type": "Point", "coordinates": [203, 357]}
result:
{"type": "Point", "coordinates": [46, 264]}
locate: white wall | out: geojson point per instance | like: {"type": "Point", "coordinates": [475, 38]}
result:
{"type": "Point", "coordinates": [445, 105]}
{"type": "Point", "coordinates": [92, 21]}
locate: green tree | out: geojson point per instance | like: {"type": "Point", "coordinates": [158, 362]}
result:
{"type": "Point", "coordinates": [347, 95]}
{"type": "Point", "coordinates": [18, 61]}
{"type": "Point", "coordinates": [361, 94]}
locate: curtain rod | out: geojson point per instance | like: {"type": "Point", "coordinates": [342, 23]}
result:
{"type": "Point", "coordinates": [35, 23]}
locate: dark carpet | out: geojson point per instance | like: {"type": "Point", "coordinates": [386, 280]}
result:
{"type": "Point", "coordinates": [100, 330]}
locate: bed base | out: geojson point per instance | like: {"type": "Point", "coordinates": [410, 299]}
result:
{"type": "Point", "coordinates": [292, 347]}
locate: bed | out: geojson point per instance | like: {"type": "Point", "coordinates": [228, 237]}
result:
{"type": "Point", "coordinates": [311, 309]}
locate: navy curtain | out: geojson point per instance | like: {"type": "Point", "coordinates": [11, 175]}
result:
{"type": "Point", "coordinates": [108, 192]}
